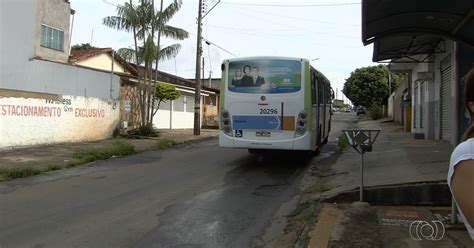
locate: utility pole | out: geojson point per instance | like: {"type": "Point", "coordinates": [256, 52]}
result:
{"type": "Point", "coordinates": [197, 94]}
{"type": "Point", "coordinates": [203, 66]}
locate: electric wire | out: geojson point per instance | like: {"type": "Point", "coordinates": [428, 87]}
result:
{"type": "Point", "coordinates": [293, 5]}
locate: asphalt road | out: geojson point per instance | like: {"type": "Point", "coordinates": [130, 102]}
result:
{"type": "Point", "coordinates": [189, 196]}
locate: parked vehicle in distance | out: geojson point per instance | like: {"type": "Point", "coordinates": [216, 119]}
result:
{"type": "Point", "coordinates": [360, 111]}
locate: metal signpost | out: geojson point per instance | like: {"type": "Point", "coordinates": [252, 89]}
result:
{"type": "Point", "coordinates": [361, 140]}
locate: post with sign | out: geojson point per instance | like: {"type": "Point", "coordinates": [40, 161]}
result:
{"type": "Point", "coordinates": [361, 140]}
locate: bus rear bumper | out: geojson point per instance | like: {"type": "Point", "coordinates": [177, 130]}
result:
{"type": "Point", "coordinates": [300, 143]}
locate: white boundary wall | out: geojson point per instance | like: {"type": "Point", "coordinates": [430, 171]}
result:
{"type": "Point", "coordinates": [35, 121]}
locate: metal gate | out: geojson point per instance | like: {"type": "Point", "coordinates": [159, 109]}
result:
{"type": "Point", "coordinates": [446, 104]}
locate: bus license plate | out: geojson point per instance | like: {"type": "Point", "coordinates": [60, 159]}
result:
{"type": "Point", "coordinates": [263, 134]}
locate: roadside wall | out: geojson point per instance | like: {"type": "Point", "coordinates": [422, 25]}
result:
{"type": "Point", "coordinates": [390, 105]}
{"type": "Point", "coordinates": [28, 118]}
{"type": "Point", "coordinates": [57, 78]}
{"type": "Point", "coordinates": [399, 105]}
{"type": "Point", "coordinates": [177, 114]}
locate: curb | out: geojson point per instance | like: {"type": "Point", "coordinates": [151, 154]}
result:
{"type": "Point", "coordinates": [322, 230]}
{"type": "Point", "coordinates": [431, 193]}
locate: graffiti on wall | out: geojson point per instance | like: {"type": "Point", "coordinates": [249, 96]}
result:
{"type": "Point", "coordinates": [63, 119]}
{"type": "Point", "coordinates": [62, 107]}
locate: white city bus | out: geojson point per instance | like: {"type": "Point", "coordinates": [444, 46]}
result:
{"type": "Point", "coordinates": [273, 103]}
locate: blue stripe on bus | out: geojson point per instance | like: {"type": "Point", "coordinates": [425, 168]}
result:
{"type": "Point", "coordinates": [259, 90]}
{"type": "Point", "coordinates": [241, 122]}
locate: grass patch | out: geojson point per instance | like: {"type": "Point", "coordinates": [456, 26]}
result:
{"type": "Point", "coordinates": [86, 156]}
{"type": "Point", "coordinates": [309, 217]}
{"type": "Point", "coordinates": [322, 188]}
{"type": "Point", "coordinates": [165, 144]}
{"type": "Point", "coordinates": [18, 172]}
{"type": "Point", "coordinates": [343, 142]}
{"type": "Point", "coordinates": [52, 167]}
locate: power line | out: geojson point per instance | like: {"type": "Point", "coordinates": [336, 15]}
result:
{"type": "Point", "coordinates": [296, 27]}
{"type": "Point", "coordinates": [110, 3]}
{"type": "Point", "coordinates": [248, 29]}
{"type": "Point", "coordinates": [210, 42]}
{"type": "Point", "coordinates": [207, 41]}
{"type": "Point", "coordinates": [293, 17]}
{"type": "Point", "coordinates": [293, 5]}
{"type": "Point", "coordinates": [263, 34]}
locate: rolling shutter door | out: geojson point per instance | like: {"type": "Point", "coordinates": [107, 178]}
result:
{"type": "Point", "coordinates": [415, 108]}
{"type": "Point", "coordinates": [422, 105]}
{"type": "Point", "coordinates": [446, 104]}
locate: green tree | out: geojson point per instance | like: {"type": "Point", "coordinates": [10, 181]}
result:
{"type": "Point", "coordinates": [145, 22]}
{"type": "Point", "coordinates": [82, 46]}
{"type": "Point", "coordinates": [163, 93]}
{"type": "Point", "coordinates": [368, 86]}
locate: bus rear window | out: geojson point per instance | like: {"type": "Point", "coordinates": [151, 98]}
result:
{"type": "Point", "coordinates": [264, 76]}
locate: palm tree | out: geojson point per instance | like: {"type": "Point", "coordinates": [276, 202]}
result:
{"type": "Point", "coordinates": [144, 22]}
{"type": "Point", "coordinates": [167, 31]}
{"type": "Point", "coordinates": [129, 19]}
{"type": "Point", "coordinates": [165, 53]}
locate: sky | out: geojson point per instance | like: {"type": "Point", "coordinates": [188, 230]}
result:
{"type": "Point", "coordinates": [330, 36]}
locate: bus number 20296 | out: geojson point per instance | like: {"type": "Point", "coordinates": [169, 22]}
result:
{"type": "Point", "coordinates": [266, 111]}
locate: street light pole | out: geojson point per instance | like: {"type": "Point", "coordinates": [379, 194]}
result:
{"type": "Point", "coordinates": [197, 95]}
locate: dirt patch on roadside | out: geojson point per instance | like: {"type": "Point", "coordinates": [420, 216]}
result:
{"type": "Point", "coordinates": [356, 227]}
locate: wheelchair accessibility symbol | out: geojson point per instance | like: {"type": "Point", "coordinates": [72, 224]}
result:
{"type": "Point", "coordinates": [238, 133]}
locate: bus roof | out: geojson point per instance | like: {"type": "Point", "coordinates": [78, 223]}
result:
{"type": "Point", "coordinates": [265, 57]}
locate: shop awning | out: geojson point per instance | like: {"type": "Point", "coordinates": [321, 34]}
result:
{"type": "Point", "coordinates": [408, 48]}
{"type": "Point", "coordinates": [402, 28]}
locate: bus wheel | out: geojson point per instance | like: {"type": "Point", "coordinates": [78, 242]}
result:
{"type": "Point", "coordinates": [317, 151]}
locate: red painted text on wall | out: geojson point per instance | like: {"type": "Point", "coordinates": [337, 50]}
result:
{"type": "Point", "coordinates": [36, 111]}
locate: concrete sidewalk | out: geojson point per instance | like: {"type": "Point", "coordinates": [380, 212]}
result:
{"type": "Point", "coordinates": [60, 154]}
{"type": "Point", "coordinates": [397, 158]}
{"type": "Point", "coordinates": [397, 161]}
{"type": "Point", "coordinates": [386, 226]}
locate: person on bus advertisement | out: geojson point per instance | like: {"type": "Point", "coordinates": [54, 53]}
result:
{"type": "Point", "coordinates": [252, 77]}
{"type": "Point", "coordinates": [257, 79]}
{"type": "Point", "coordinates": [237, 80]}
{"type": "Point", "coordinates": [247, 79]}
{"type": "Point", "coordinates": [461, 166]}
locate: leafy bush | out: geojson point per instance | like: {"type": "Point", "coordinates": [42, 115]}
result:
{"type": "Point", "coordinates": [148, 131]}
{"type": "Point", "coordinates": [116, 132]}
{"type": "Point", "coordinates": [376, 112]}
